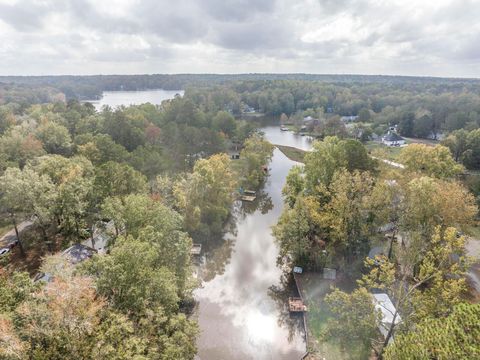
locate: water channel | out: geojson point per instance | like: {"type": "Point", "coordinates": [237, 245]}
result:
{"type": "Point", "coordinates": [242, 304]}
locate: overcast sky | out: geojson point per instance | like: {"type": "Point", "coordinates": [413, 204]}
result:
{"type": "Point", "coordinates": [405, 37]}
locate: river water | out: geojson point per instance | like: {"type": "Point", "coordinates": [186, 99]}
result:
{"type": "Point", "coordinates": [242, 309]}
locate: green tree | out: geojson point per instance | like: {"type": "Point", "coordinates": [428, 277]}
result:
{"type": "Point", "coordinates": [204, 197]}
{"type": "Point", "coordinates": [330, 155]}
{"type": "Point", "coordinates": [294, 185]}
{"type": "Point", "coordinates": [160, 227]}
{"type": "Point", "coordinates": [32, 194]}
{"type": "Point", "coordinates": [452, 337]}
{"type": "Point", "coordinates": [354, 321]}
{"type": "Point", "coordinates": [130, 278]}
{"type": "Point", "coordinates": [256, 154]}
{"type": "Point", "coordinates": [115, 179]}
{"type": "Point", "coordinates": [225, 122]}
{"type": "Point", "coordinates": [55, 138]}
{"type": "Point", "coordinates": [73, 179]}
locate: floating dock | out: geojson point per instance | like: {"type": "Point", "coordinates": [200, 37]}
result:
{"type": "Point", "coordinates": [250, 192]}
{"type": "Point", "coordinates": [247, 198]}
{"type": "Point", "coordinates": [196, 249]}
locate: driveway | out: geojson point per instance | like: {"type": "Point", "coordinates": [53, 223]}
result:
{"type": "Point", "coordinates": [11, 236]}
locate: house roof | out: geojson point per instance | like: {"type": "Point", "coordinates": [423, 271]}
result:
{"type": "Point", "coordinates": [78, 253]}
{"type": "Point", "coordinates": [383, 304]}
{"type": "Point", "coordinates": [392, 136]}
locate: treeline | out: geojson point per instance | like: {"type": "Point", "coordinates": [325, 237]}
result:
{"type": "Point", "coordinates": [148, 138]}
{"type": "Point", "coordinates": [342, 207]}
{"type": "Point", "coordinates": [160, 176]}
{"type": "Point", "coordinates": [91, 87]}
{"type": "Point", "coordinates": [22, 96]}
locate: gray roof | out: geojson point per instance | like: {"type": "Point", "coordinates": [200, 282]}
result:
{"type": "Point", "coordinates": [78, 253]}
{"type": "Point", "coordinates": [391, 136]}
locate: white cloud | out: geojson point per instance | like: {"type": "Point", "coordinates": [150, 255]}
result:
{"type": "Point", "coordinates": [408, 37]}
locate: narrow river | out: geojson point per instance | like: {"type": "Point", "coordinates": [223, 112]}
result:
{"type": "Point", "coordinates": [242, 305]}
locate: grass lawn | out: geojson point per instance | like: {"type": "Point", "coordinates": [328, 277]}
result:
{"type": "Point", "coordinates": [314, 288]}
{"type": "Point", "coordinates": [381, 151]}
{"type": "Point", "coordinates": [292, 153]}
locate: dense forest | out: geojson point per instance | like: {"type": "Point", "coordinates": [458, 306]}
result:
{"type": "Point", "coordinates": [429, 108]}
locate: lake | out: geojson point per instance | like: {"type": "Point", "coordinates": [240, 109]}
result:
{"type": "Point", "coordinates": [118, 98]}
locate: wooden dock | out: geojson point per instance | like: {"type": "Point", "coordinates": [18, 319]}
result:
{"type": "Point", "coordinates": [247, 198]}
{"type": "Point", "coordinates": [305, 321]}
{"type": "Point", "coordinates": [295, 304]}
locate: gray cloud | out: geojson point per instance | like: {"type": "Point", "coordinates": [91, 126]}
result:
{"type": "Point", "coordinates": [136, 36]}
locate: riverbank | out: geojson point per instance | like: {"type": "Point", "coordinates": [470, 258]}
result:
{"type": "Point", "coordinates": [292, 153]}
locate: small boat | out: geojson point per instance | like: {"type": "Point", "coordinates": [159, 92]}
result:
{"type": "Point", "coordinates": [295, 304]}
{"type": "Point", "coordinates": [283, 128]}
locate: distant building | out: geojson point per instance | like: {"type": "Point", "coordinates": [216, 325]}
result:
{"type": "Point", "coordinates": [310, 121]}
{"type": "Point", "coordinates": [247, 109]}
{"type": "Point", "coordinates": [350, 118]}
{"type": "Point", "coordinates": [393, 139]}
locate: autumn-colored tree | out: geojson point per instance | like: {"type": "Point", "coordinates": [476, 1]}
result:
{"type": "Point", "coordinates": [428, 202]}
{"type": "Point", "coordinates": [435, 161]}
{"type": "Point", "coordinates": [256, 154]}
{"type": "Point", "coordinates": [61, 319]}
{"type": "Point", "coordinates": [205, 196]}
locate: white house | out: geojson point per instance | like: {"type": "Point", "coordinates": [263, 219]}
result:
{"type": "Point", "coordinates": [393, 139]}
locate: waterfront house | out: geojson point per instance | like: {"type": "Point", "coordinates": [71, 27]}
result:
{"type": "Point", "coordinates": [393, 139]}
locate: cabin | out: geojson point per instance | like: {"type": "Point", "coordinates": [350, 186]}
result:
{"type": "Point", "coordinates": [384, 305]}
{"type": "Point", "coordinates": [295, 305]}
{"type": "Point", "coordinates": [393, 139]}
